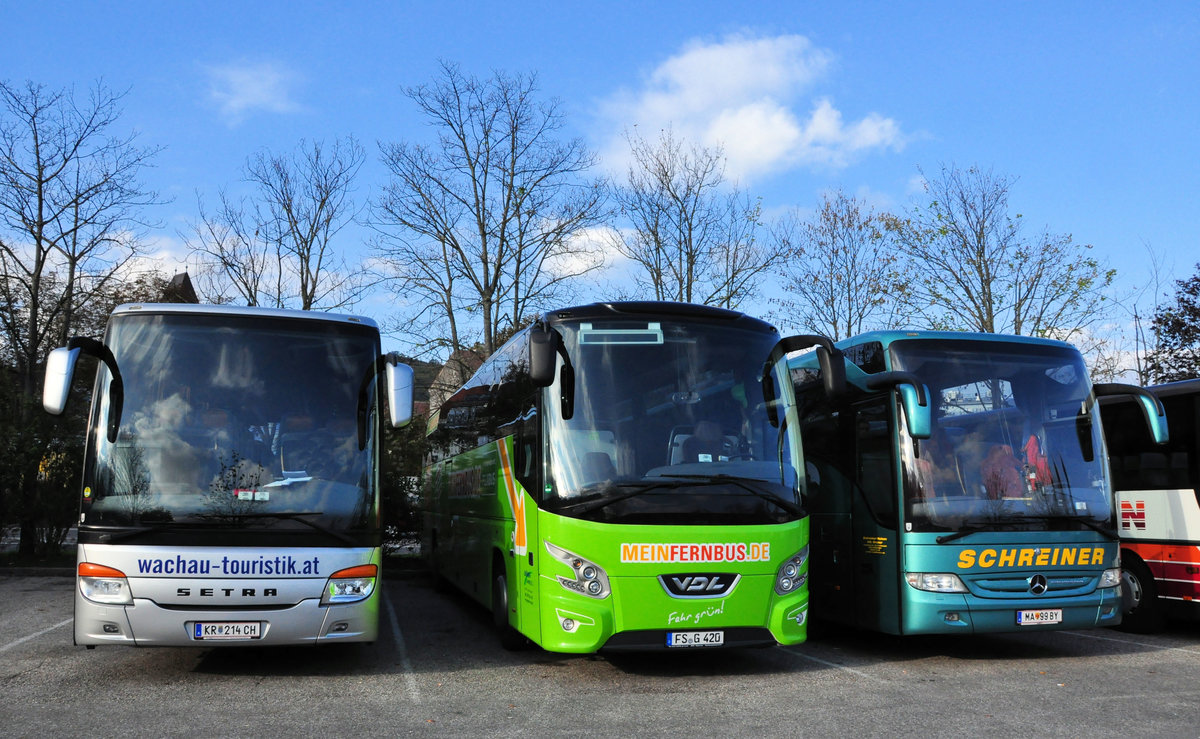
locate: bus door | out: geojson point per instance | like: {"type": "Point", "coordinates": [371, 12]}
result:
{"type": "Point", "coordinates": [875, 543]}
{"type": "Point", "coordinates": [830, 494]}
{"type": "Point", "coordinates": [525, 551]}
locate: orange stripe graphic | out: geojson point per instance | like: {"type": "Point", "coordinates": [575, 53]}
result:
{"type": "Point", "coordinates": [515, 499]}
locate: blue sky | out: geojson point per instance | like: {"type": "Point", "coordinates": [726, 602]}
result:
{"type": "Point", "coordinates": [1094, 107]}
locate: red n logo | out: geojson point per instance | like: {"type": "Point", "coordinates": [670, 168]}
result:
{"type": "Point", "coordinates": [1133, 515]}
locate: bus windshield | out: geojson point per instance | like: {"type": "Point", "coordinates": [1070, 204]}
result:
{"type": "Point", "coordinates": [670, 426]}
{"type": "Point", "coordinates": [1015, 443]}
{"type": "Point", "coordinates": [254, 426]}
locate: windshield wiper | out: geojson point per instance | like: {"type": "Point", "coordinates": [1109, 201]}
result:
{"type": "Point", "coordinates": [745, 484]}
{"type": "Point", "coordinates": [975, 526]}
{"type": "Point", "coordinates": [1080, 520]}
{"type": "Point", "coordinates": [967, 529]}
{"type": "Point", "coordinates": [108, 538]}
{"type": "Point", "coordinates": [299, 517]}
{"type": "Point", "coordinates": [622, 491]}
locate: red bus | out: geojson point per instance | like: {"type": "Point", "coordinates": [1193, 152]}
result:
{"type": "Point", "coordinates": [1158, 499]}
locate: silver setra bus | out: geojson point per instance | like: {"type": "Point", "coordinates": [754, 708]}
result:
{"type": "Point", "coordinates": [230, 487]}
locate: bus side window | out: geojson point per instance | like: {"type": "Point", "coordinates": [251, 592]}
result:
{"type": "Point", "coordinates": [828, 458]}
{"type": "Point", "coordinates": [527, 447]}
{"type": "Point", "coordinates": [1136, 462]}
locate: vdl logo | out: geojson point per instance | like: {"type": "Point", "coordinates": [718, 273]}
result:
{"type": "Point", "coordinates": [1133, 515]}
{"type": "Point", "coordinates": [700, 585]}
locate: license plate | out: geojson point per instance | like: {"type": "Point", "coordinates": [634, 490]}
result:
{"type": "Point", "coordinates": [1045, 616]}
{"type": "Point", "coordinates": [695, 638]}
{"type": "Point", "coordinates": [227, 630]}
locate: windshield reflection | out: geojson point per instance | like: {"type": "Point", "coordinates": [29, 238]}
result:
{"type": "Point", "coordinates": [247, 425]}
{"type": "Point", "coordinates": [1014, 439]}
{"type": "Point", "coordinates": [669, 423]}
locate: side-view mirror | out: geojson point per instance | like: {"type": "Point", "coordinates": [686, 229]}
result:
{"type": "Point", "coordinates": [545, 346]}
{"type": "Point", "coordinates": [543, 355]}
{"type": "Point", "coordinates": [833, 370]}
{"type": "Point", "coordinates": [400, 393]}
{"type": "Point", "coordinates": [1152, 408]}
{"type": "Point", "coordinates": [60, 368]}
{"type": "Point", "coordinates": [914, 398]}
{"type": "Point", "coordinates": [830, 360]}
{"type": "Point", "coordinates": [399, 379]}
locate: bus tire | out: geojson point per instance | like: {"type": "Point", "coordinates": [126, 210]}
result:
{"type": "Point", "coordinates": [510, 638]}
{"type": "Point", "coordinates": [1146, 615]}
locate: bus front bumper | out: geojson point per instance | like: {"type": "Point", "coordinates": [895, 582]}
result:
{"type": "Point", "coordinates": [146, 624]}
{"type": "Point", "coordinates": [958, 613]}
{"type": "Point", "coordinates": [638, 616]}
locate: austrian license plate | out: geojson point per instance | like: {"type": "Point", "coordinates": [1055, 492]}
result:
{"type": "Point", "coordinates": [1044, 616]}
{"type": "Point", "coordinates": [695, 638]}
{"type": "Point", "coordinates": [227, 630]}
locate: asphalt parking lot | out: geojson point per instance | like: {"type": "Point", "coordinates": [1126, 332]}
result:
{"type": "Point", "coordinates": [437, 670]}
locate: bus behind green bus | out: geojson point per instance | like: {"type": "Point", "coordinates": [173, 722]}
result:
{"type": "Point", "coordinates": [960, 486]}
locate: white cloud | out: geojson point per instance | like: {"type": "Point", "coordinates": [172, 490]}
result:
{"type": "Point", "coordinates": [243, 88]}
{"type": "Point", "coordinates": [916, 185]}
{"type": "Point", "coordinates": [827, 140]}
{"type": "Point", "coordinates": [756, 138]}
{"type": "Point", "coordinates": [744, 94]}
{"type": "Point", "coordinates": [881, 202]}
{"type": "Point", "coordinates": [164, 254]}
{"type": "Point", "coordinates": [593, 259]}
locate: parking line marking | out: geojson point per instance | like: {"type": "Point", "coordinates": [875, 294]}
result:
{"type": "Point", "coordinates": [409, 679]}
{"type": "Point", "coordinates": [24, 639]}
{"type": "Point", "coordinates": [1133, 641]}
{"type": "Point", "coordinates": [818, 660]}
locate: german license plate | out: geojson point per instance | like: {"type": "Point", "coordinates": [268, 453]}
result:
{"type": "Point", "coordinates": [695, 638]}
{"type": "Point", "coordinates": [227, 630]}
{"type": "Point", "coordinates": [1044, 616]}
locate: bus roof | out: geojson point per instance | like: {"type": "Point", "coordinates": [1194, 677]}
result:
{"type": "Point", "coordinates": [1179, 387]}
{"type": "Point", "coordinates": [886, 338]}
{"type": "Point", "coordinates": [649, 309]}
{"type": "Point", "coordinates": [239, 312]}
{"type": "Point", "coordinates": [1165, 390]}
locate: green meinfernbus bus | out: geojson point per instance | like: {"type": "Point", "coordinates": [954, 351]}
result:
{"type": "Point", "coordinates": [627, 476]}
{"type": "Point", "coordinates": [960, 485]}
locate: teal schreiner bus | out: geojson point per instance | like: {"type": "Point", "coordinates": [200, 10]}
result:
{"type": "Point", "coordinates": [627, 476]}
{"type": "Point", "coordinates": [959, 485]}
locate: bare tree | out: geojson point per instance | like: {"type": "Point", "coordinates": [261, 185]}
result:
{"type": "Point", "coordinates": [1130, 325]}
{"type": "Point", "coordinates": [237, 262]}
{"type": "Point", "coordinates": [840, 270]}
{"type": "Point", "coordinates": [70, 217]}
{"type": "Point", "coordinates": [693, 239]}
{"type": "Point", "coordinates": [486, 222]}
{"type": "Point", "coordinates": [971, 267]}
{"type": "Point", "coordinates": [278, 247]}
{"type": "Point", "coordinates": [308, 196]}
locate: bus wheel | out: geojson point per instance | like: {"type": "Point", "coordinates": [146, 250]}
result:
{"type": "Point", "coordinates": [510, 638]}
{"type": "Point", "coordinates": [1145, 614]}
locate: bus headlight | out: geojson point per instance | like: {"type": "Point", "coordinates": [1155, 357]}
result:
{"type": "Point", "coordinates": [104, 584]}
{"type": "Point", "coordinates": [936, 582]}
{"type": "Point", "coordinates": [792, 573]}
{"type": "Point", "coordinates": [589, 579]}
{"type": "Point", "coordinates": [350, 585]}
{"type": "Point", "coordinates": [1110, 578]}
